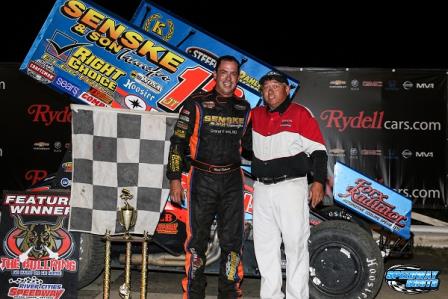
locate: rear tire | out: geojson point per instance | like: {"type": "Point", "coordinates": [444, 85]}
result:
{"type": "Point", "coordinates": [91, 258]}
{"type": "Point", "coordinates": [345, 262]}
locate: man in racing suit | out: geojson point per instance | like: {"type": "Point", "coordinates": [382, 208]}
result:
{"type": "Point", "coordinates": [209, 129]}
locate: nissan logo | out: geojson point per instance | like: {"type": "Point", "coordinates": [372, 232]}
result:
{"type": "Point", "coordinates": [408, 85]}
{"type": "Point", "coordinates": [406, 153]}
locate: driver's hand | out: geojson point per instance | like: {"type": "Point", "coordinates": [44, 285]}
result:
{"type": "Point", "coordinates": [176, 191]}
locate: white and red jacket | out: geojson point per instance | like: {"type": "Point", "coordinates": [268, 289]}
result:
{"type": "Point", "coordinates": [287, 141]}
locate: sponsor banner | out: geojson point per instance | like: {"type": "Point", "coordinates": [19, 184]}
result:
{"type": "Point", "coordinates": [39, 256]}
{"type": "Point", "coordinates": [34, 146]}
{"type": "Point", "coordinates": [389, 125]}
{"type": "Point", "coordinates": [372, 200]}
{"type": "Point", "coordinates": [101, 60]}
{"type": "Point", "coordinates": [203, 47]}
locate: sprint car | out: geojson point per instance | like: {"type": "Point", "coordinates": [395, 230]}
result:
{"type": "Point", "coordinates": [345, 261]}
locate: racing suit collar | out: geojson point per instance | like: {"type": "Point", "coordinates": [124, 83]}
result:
{"type": "Point", "coordinates": [218, 96]}
{"type": "Point", "coordinates": [282, 107]}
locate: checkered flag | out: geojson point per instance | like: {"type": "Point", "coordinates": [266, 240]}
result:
{"type": "Point", "coordinates": [114, 150]}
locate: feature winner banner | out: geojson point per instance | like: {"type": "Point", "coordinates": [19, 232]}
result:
{"type": "Point", "coordinates": [101, 60]}
{"type": "Point", "coordinates": [372, 200]}
{"type": "Point", "coordinates": [39, 256]}
{"type": "Point", "coordinates": [203, 47]}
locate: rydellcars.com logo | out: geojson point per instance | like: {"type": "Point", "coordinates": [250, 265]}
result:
{"type": "Point", "coordinates": [411, 279]}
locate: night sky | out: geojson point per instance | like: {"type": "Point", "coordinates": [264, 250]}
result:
{"type": "Point", "coordinates": [283, 33]}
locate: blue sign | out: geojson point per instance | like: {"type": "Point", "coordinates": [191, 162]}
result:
{"type": "Point", "coordinates": [102, 60]}
{"type": "Point", "coordinates": [203, 47]}
{"type": "Point", "coordinates": [372, 200]}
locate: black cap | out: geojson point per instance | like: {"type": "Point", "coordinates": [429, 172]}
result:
{"type": "Point", "coordinates": [273, 75]}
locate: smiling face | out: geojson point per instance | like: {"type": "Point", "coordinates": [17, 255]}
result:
{"type": "Point", "coordinates": [226, 76]}
{"type": "Point", "coordinates": [274, 93]}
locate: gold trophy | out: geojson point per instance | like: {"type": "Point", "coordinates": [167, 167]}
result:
{"type": "Point", "coordinates": [127, 218]}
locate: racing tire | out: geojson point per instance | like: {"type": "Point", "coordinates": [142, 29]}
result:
{"type": "Point", "coordinates": [338, 213]}
{"type": "Point", "coordinates": [91, 258]}
{"type": "Point", "coordinates": [345, 262]}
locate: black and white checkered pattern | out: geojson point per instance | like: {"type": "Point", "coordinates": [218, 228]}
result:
{"type": "Point", "coordinates": [115, 149]}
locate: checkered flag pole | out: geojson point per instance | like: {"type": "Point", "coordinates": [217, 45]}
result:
{"type": "Point", "coordinates": [114, 150]}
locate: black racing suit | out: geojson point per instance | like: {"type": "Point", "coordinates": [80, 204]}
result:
{"type": "Point", "coordinates": [209, 129]}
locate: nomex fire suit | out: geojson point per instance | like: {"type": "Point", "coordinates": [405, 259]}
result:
{"type": "Point", "coordinates": [210, 128]}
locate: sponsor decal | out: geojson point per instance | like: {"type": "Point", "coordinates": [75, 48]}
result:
{"type": "Point", "coordinates": [391, 154]}
{"type": "Point", "coordinates": [168, 224]}
{"type": "Point", "coordinates": [354, 84]}
{"type": "Point", "coordinates": [371, 152]}
{"type": "Point", "coordinates": [35, 175]}
{"type": "Point", "coordinates": [65, 182]}
{"type": "Point", "coordinates": [286, 123]}
{"type": "Point", "coordinates": [184, 118]}
{"type": "Point", "coordinates": [224, 121]}
{"type": "Point", "coordinates": [208, 104]}
{"type": "Point", "coordinates": [41, 146]}
{"type": "Point", "coordinates": [337, 152]}
{"type": "Point", "coordinates": [41, 71]}
{"type": "Point", "coordinates": [146, 82]}
{"type": "Point", "coordinates": [240, 107]}
{"type": "Point", "coordinates": [87, 64]}
{"type": "Point", "coordinates": [248, 201]}
{"type": "Point", "coordinates": [406, 153]}
{"type": "Point", "coordinates": [424, 85]}
{"type": "Point", "coordinates": [34, 288]}
{"type": "Point", "coordinates": [338, 84]}
{"type": "Point", "coordinates": [57, 146]}
{"type": "Point", "coordinates": [179, 133]}
{"type": "Point", "coordinates": [392, 85]}
{"type": "Point", "coordinates": [44, 113]}
{"type": "Point", "coordinates": [373, 200]}
{"type": "Point", "coordinates": [233, 259]}
{"type": "Point", "coordinates": [90, 99]}
{"type": "Point", "coordinates": [163, 29]}
{"type": "Point", "coordinates": [424, 154]}
{"type": "Point", "coordinates": [407, 85]}
{"type": "Point", "coordinates": [182, 125]}
{"type": "Point", "coordinates": [107, 99]}
{"type": "Point", "coordinates": [372, 83]}
{"type": "Point", "coordinates": [67, 166]}
{"type": "Point", "coordinates": [203, 56]}
{"type": "Point", "coordinates": [134, 88]}
{"type": "Point", "coordinates": [337, 119]}
{"type": "Point", "coordinates": [196, 262]}
{"type": "Point", "coordinates": [61, 45]}
{"type": "Point", "coordinates": [412, 279]}
{"type": "Point", "coordinates": [67, 86]}
{"type": "Point", "coordinates": [134, 102]}
{"type": "Point", "coordinates": [248, 80]}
